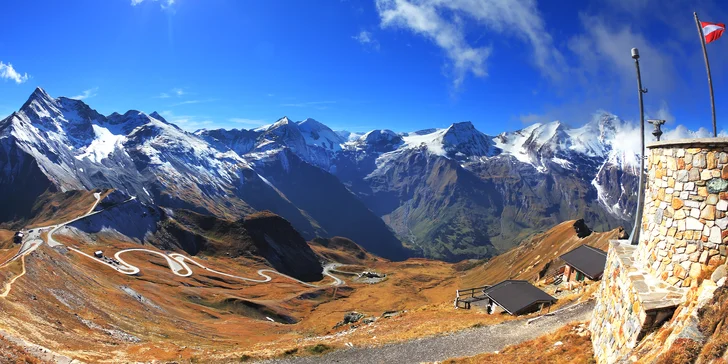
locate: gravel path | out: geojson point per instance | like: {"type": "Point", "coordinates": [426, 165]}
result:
{"type": "Point", "coordinates": [462, 343]}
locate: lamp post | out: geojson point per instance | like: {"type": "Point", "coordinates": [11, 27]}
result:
{"type": "Point", "coordinates": [657, 124]}
{"type": "Point", "coordinates": [641, 191]}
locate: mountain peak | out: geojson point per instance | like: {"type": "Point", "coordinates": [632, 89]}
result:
{"type": "Point", "coordinates": [463, 125]}
{"type": "Point", "coordinates": [156, 115]}
{"type": "Point", "coordinates": [283, 121]}
{"type": "Point", "coordinates": [40, 93]}
{"type": "Point", "coordinates": [41, 98]}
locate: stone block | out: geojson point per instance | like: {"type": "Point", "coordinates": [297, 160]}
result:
{"type": "Point", "coordinates": [695, 270]}
{"type": "Point", "coordinates": [717, 185]}
{"type": "Point", "coordinates": [722, 205]}
{"type": "Point", "coordinates": [693, 175]}
{"type": "Point", "coordinates": [715, 236]}
{"type": "Point", "coordinates": [708, 213]}
{"type": "Point", "coordinates": [699, 160]}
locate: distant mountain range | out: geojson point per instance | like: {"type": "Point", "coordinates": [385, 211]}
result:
{"type": "Point", "coordinates": [448, 193]}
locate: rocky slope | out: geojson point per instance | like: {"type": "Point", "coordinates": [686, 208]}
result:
{"type": "Point", "coordinates": [60, 144]}
{"type": "Point", "coordinates": [449, 193]}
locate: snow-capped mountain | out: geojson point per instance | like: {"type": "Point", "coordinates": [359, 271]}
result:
{"type": "Point", "coordinates": [450, 193]}
{"type": "Point", "coordinates": [542, 174]}
{"type": "Point", "coordinates": [62, 144]}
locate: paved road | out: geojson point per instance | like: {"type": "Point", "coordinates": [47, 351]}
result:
{"type": "Point", "coordinates": [177, 265]}
{"type": "Point", "coordinates": [463, 343]}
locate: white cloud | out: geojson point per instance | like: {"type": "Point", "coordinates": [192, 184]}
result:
{"type": "Point", "coordinates": [9, 73]}
{"type": "Point", "coordinates": [605, 67]}
{"type": "Point", "coordinates": [443, 22]}
{"type": "Point", "coordinates": [365, 38]}
{"type": "Point", "coordinates": [189, 102]}
{"type": "Point", "coordinates": [187, 122]}
{"type": "Point", "coordinates": [178, 92]}
{"type": "Point", "coordinates": [681, 132]}
{"type": "Point", "coordinates": [663, 113]}
{"type": "Point", "coordinates": [86, 94]}
{"type": "Point", "coordinates": [532, 118]}
{"type": "Point", "coordinates": [164, 3]}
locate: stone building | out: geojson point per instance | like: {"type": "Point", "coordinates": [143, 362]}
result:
{"type": "Point", "coordinates": [683, 238]}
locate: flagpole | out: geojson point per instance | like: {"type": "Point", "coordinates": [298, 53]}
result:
{"type": "Point", "coordinates": [707, 67]}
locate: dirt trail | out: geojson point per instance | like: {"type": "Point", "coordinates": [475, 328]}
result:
{"type": "Point", "coordinates": [462, 343]}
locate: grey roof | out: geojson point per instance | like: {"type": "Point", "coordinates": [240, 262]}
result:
{"type": "Point", "coordinates": [517, 296]}
{"type": "Point", "coordinates": [588, 260]}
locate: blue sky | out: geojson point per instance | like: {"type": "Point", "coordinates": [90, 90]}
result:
{"type": "Point", "coordinates": [359, 65]}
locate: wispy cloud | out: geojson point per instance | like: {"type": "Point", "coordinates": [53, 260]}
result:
{"type": "Point", "coordinates": [176, 92]}
{"type": "Point", "coordinates": [164, 3]}
{"type": "Point", "coordinates": [244, 121]}
{"type": "Point", "coordinates": [187, 122]}
{"type": "Point", "coordinates": [9, 73]}
{"type": "Point", "coordinates": [443, 22]}
{"type": "Point", "coordinates": [366, 39]}
{"type": "Point", "coordinates": [190, 102]}
{"type": "Point", "coordinates": [86, 94]}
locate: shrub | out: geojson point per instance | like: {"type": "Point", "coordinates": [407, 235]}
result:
{"type": "Point", "coordinates": [318, 349]}
{"type": "Point", "coordinates": [682, 351]}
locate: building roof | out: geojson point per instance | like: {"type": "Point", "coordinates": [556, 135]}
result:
{"type": "Point", "coordinates": [587, 260]}
{"type": "Point", "coordinates": [516, 296]}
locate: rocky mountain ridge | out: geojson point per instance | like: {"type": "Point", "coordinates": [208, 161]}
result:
{"type": "Point", "coordinates": [449, 193]}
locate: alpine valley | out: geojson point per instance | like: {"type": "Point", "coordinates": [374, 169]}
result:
{"type": "Point", "coordinates": [448, 194]}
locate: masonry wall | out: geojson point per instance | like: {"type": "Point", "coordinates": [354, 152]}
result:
{"type": "Point", "coordinates": [684, 235]}
{"type": "Point", "coordinates": [616, 318]}
{"type": "Point", "coordinates": [684, 225]}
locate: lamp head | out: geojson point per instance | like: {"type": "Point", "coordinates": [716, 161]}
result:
{"type": "Point", "coordinates": [635, 53]}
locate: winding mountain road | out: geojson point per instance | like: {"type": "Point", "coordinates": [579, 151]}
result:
{"type": "Point", "coordinates": [177, 264]}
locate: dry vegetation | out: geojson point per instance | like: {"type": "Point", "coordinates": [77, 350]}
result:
{"type": "Point", "coordinates": [569, 344]}
{"type": "Point", "coordinates": [531, 257]}
{"type": "Point", "coordinates": [12, 353]}
{"type": "Point", "coordinates": [86, 310]}
{"type": "Point", "coordinates": [711, 323]}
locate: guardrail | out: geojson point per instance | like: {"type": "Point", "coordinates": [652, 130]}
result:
{"type": "Point", "coordinates": [469, 295]}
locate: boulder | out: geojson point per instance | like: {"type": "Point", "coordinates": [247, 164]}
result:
{"type": "Point", "coordinates": [582, 231]}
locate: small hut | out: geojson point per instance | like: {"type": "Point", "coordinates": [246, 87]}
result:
{"type": "Point", "coordinates": [516, 297]}
{"type": "Point", "coordinates": [584, 262]}
{"type": "Point", "coordinates": [18, 237]}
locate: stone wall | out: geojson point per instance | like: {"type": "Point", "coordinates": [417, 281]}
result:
{"type": "Point", "coordinates": [684, 235]}
{"type": "Point", "coordinates": [630, 304]}
{"type": "Point", "coordinates": [684, 224]}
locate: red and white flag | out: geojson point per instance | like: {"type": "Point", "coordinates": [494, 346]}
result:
{"type": "Point", "coordinates": [712, 31]}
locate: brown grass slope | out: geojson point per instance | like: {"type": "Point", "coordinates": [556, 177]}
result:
{"type": "Point", "coordinates": [342, 250]}
{"type": "Point", "coordinates": [262, 236]}
{"type": "Point", "coordinates": [54, 207]}
{"type": "Point", "coordinates": [530, 258]}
